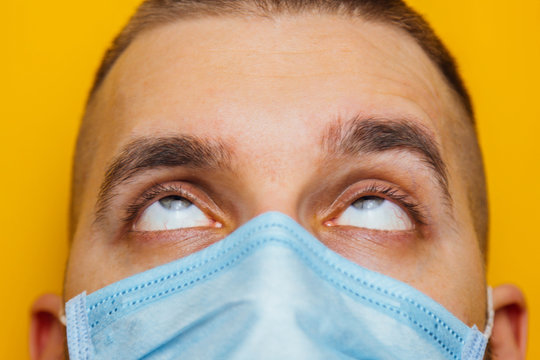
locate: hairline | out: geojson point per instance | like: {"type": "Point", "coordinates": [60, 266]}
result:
{"type": "Point", "coordinates": [430, 44]}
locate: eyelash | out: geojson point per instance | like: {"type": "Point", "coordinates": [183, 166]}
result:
{"type": "Point", "coordinates": [134, 209]}
{"type": "Point", "coordinates": [414, 209]}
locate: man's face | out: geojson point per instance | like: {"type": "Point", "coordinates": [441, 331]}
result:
{"type": "Point", "coordinates": [343, 125]}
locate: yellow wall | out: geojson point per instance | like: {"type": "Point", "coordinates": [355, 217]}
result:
{"type": "Point", "coordinates": [50, 50]}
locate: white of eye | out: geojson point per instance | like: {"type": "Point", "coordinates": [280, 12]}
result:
{"type": "Point", "coordinates": [172, 212]}
{"type": "Point", "coordinates": [371, 212]}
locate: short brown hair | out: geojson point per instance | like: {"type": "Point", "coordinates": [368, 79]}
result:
{"type": "Point", "coordinates": [154, 13]}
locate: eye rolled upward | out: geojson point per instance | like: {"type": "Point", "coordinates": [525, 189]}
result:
{"type": "Point", "coordinates": [172, 212]}
{"type": "Point", "coordinates": [377, 213]}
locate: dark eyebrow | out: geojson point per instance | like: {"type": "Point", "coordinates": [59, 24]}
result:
{"type": "Point", "coordinates": [153, 152]}
{"type": "Point", "coordinates": [377, 135]}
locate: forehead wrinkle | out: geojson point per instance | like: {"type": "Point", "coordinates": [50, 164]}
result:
{"type": "Point", "coordinates": [228, 75]}
{"type": "Point", "coordinates": [289, 48]}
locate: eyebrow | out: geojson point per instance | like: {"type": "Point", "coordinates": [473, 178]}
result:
{"type": "Point", "coordinates": [147, 153]}
{"type": "Point", "coordinates": [374, 135]}
{"type": "Point", "coordinates": [342, 138]}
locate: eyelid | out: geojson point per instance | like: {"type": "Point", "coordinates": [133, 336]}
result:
{"type": "Point", "coordinates": [384, 190]}
{"type": "Point", "coordinates": [159, 191]}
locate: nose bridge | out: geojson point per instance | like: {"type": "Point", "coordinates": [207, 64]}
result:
{"type": "Point", "coordinates": [275, 197]}
{"type": "Point", "coordinates": [276, 189]}
{"type": "Point", "coordinates": [275, 173]}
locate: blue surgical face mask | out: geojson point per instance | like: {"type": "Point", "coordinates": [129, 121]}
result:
{"type": "Point", "coordinates": [270, 290]}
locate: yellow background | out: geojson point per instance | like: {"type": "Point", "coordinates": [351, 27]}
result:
{"type": "Point", "coordinates": [50, 50]}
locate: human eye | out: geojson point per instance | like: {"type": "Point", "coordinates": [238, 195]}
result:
{"type": "Point", "coordinates": [380, 208]}
{"type": "Point", "coordinates": [372, 212]}
{"type": "Point", "coordinates": [170, 208]}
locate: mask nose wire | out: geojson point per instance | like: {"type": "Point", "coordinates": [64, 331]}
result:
{"type": "Point", "coordinates": [490, 313]}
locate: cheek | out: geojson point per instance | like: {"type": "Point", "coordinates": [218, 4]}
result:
{"type": "Point", "coordinates": [91, 267]}
{"type": "Point", "coordinates": [457, 280]}
{"type": "Point", "coordinates": [97, 262]}
{"type": "Point", "coordinates": [80, 273]}
{"type": "Point", "coordinates": [449, 269]}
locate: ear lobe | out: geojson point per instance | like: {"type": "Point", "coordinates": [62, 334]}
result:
{"type": "Point", "coordinates": [509, 337]}
{"type": "Point", "coordinates": [47, 333]}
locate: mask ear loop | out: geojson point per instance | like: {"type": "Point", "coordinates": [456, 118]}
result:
{"type": "Point", "coordinates": [62, 316]}
{"type": "Point", "coordinates": [490, 313]}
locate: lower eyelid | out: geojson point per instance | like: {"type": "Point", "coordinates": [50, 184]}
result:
{"type": "Point", "coordinates": [169, 245]}
{"type": "Point", "coordinates": [369, 242]}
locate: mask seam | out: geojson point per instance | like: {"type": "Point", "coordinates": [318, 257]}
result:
{"type": "Point", "coordinates": [248, 249]}
{"type": "Point", "coordinates": [81, 336]}
{"type": "Point", "coordinates": [474, 347]}
{"type": "Point", "coordinates": [368, 299]}
{"type": "Point", "coordinates": [177, 273]}
{"type": "Point", "coordinates": [186, 284]}
{"type": "Point", "coordinates": [365, 283]}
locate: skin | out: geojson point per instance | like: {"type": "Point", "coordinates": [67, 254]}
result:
{"type": "Point", "coordinates": [269, 89]}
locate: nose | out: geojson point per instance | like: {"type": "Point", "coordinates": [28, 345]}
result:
{"type": "Point", "coordinates": [275, 169]}
{"type": "Point", "coordinates": [274, 188]}
{"type": "Point", "coordinates": [275, 196]}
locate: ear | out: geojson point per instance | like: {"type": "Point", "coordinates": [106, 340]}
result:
{"type": "Point", "coordinates": [47, 333]}
{"type": "Point", "coordinates": [509, 337]}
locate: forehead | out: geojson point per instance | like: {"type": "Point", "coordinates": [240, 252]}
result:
{"type": "Point", "coordinates": [215, 75]}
